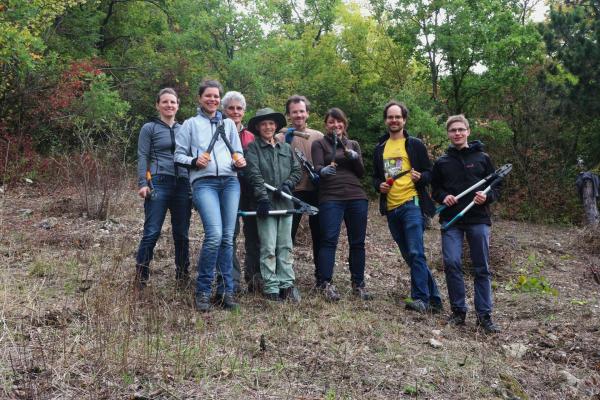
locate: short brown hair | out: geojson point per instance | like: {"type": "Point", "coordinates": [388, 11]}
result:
{"type": "Point", "coordinates": [166, 90]}
{"type": "Point", "coordinates": [402, 106]}
{"type": "Point", "coordinates": [210, 83]}
{"type": "Point", "coordinates": [457, 118]}
{"type": "Point", "coordinates": [296, 98]}
{"type": "Point", "coordinates": [337, 113]}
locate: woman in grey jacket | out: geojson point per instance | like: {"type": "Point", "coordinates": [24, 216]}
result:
{"type": "Point", "coordinates": [210, 146]}
{"type": "Point", "coordinates": [163, 186]}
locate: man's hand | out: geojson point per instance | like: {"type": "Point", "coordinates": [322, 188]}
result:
{"type": "Point", "coordinates": [480, 198]}
{"type": "Point", "coordinates": [240, 162]}
{"type": "Point", "coordinates": [415, 176]}
{"type": "Point", "coordinates": [384, 187]}
{"type": "Point", "coordinates": [144, 192]}
{"type": "Point", "coordinates": [449, 201]}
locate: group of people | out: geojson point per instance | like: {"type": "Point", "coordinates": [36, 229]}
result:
{"type": "Point", "coordinates": [213, 161]}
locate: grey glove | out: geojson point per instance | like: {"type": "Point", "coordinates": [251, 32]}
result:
{"type": "Point", "coordinates": [329, 170]}
{"type": "Point", "coordinates": [351, 154]}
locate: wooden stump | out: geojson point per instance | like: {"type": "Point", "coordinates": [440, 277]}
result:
{"type": "Point", "coordinates": [589, 204]}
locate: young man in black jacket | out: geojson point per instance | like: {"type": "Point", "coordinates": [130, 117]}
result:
{"type": "Point", "coordinates": [463, 165]}
{"type": "Point", "coordinates": [402, 171]}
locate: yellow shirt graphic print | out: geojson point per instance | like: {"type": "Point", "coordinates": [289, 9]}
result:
{"type": "Point", "coordinates": [395, 160]}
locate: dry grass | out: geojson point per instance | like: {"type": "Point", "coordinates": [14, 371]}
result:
{"type": "Point", "coordinates": [72, 327]}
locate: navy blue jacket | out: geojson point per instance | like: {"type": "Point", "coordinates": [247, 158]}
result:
{"type": "Point", "coordinates": [456, 171]}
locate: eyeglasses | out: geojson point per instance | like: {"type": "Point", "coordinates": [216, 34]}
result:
{"type": "Point", "coordinates": [457, 130]}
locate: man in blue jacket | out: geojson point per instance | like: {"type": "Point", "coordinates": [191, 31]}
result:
{"type": "Point", "coordinates": [402, 171]}
{"type": "Point", "coordinates": [463, 165]}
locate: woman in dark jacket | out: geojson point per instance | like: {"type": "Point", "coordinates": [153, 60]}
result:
{"type": "Point", "coordinates": [341, 197]}
{"type": "Point", "coordinates": [163, 186]}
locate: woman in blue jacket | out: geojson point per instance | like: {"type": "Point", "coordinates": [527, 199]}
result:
{"type": "Point", "coordinates": [215, 189]}
{"type": "Point", "coordinates": [167, 188]}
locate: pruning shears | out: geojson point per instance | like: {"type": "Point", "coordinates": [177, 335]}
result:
{"type": "Point", "coordinates": [494, 179]}
{"type": "Point", "coordinates": [310, 169]}
{"type": "Point", "coordinates": [150, 184]}
{"type": "Point", "coordinates": [303, 207]}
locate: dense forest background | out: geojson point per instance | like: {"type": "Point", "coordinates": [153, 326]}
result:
{"type": "Point", "coordinates": [79, 78]}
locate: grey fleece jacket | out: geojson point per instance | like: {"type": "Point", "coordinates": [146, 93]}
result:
{"type": "Point", "coordinates": [156, 145]}
{"type": "Point", "coordinates": [193, 139]}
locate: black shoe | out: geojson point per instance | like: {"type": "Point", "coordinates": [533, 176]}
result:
{"type": "Point", "coordinates": [181, 273]}
{"type": "Point", "coordinates": [142, 273]}
{"type": "Point", "coordinates": [228, 302]}
{"type": "Point", "coordinates": [486, 323]}
{"type": "Point", "coordinates": [274, 297]}
{"type": "Point", "coordinates": [290, 294]}
{"type": "Point", "coordinates": [436, 308]}
{"type": "Point", "coordinates": [362, 293]}
{"type": "Point", "coordinates": [202, 302]}
{"type": "Point", "coordinates": [457, 318]}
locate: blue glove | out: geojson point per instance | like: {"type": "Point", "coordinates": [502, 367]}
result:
{"type": "Point", "coordinates": [351, 154]}
{"type": "Point", "coordinates": [329, 170]}
{"type": "Point", "coordinates": [262, 208]}
{"type": "Point", "coordinates": [289, 135]}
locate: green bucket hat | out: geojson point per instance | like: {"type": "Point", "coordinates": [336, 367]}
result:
{"type": "Point", "coordinates": [266, 114]}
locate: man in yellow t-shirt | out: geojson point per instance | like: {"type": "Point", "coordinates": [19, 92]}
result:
{"type": "Point", "coordinates": [402, 172]}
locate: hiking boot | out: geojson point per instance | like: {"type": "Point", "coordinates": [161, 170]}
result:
{"type": "Point", "coordinates": [486, 323]}
{"type": "Point", "coordinates": [182, 278]}
{"type": "Point", "coordinates": [290, 294]}
{"type": "Point", "coordinates": [274, 297]}
{"type": "Point", "coordinates": [417, 305]}
{"type": "Point", "coordinates": [435, 308]}
{"type": "Point", "coordinates": [202, 302]}
{"type": "Point", "coordinates": [457, 318]}
{"type": "Point", "coordinates": [362, 293]}
{"type": "Point", "coordinates": [228, 302]}
{"type": "Point", "coordinates": [142, 273]}
{"type": "Point", "coordinates": [330, 293]}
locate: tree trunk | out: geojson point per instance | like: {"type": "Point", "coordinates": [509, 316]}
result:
{"type": "Point", "coordinates": [589, 204]}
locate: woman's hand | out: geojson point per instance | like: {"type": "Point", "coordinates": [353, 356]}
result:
{"type": "Point", "coordinates": [240, 162]}
{"type": "Point", "coordinates": [202, 161]}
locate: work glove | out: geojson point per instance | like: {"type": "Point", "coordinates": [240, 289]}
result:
{"type": "Point", "coordinates": [289, 135]}
{"type": "Point", "coordinates": [285, 188]}
{"type": "Point", "coordinates": [262, 208]}
{"type": "Point", "coordinates": [329, 170]}
{"type": "Point", "coordinates": [351, 154]}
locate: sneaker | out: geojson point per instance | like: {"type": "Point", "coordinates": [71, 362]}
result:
{"type": "Point", "coordinates": [486, 323]}
{"type": "Point", "coordinates": [228, 302]}
{"type": "Point", "coordinates": [330, 292]}
{"type": "Point", "coordinates": [457, 318]}
{"type": "Point", "coordinates": [202, 302]}
{"type": "Point", "coordinates": [435, 308]}
{"type": "Point", "coordinates": [362, 293]}
{"type": "Point", "coordinates": [290, 294]}
{"type": "Point", "coordinates": [416, 305]}
{"type": "Point", "coordinates": [274, 297]}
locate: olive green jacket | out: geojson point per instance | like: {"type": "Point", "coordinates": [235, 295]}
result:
{"type": "Point", "coordinates": [273, 165]}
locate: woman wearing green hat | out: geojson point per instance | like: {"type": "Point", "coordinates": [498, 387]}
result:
{"type": "Point", "coordinates": [272, 162]}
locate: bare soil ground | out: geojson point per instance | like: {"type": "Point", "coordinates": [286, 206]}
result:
{"type": "Point", "coordinates": [71, 326]}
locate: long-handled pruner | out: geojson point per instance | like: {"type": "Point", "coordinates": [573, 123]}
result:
{"type": "Point", "coordinates": [499, 173]}
{"type": "Point", "coordinates": [235, 155]}
{"type": "Point", "coordinates": [497, 178]}
{"type": "Point", "coordinates": [150, 184]}
{"type": "Point", "coordinates": [305, 208]}
{"type": "Point", "coordinates": [215, 137]}
{"type": "Point", "coordinates": [271, 212]}
{"type": "Point", "coordinates": [310, 169]}
{"type": "Point", "coordinates": [390, 179]}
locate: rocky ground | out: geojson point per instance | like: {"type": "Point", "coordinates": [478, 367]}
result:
{"type": "Point", "coordinates": [71, 326]}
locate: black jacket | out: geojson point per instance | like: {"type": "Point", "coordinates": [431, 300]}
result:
{"type": "Point", "coordinates": [456, 171]}
{"type": "Point", "coordinates": [419, 160]}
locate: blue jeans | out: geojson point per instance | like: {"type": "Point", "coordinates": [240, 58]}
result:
{"type": "Point", "coordinates": [216, 199]}
{"type": "Point", "coordinates": [478, 238]}
{"type": "Point", "coordinates": [169, 194]}
{"type": "Point", "coordinates": [407, 225]}
{"type": "Point", "coordinates": [354, 214]}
